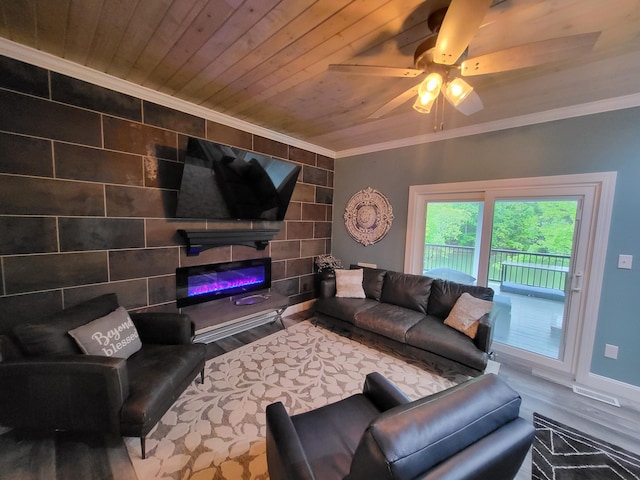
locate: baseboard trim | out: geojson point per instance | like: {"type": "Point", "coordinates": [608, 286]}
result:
{"type": "Point", "coordinates": [622, 393]}
{"type": "Point", "coordinates": [298, 307]}
{"type": "Point", "coordinates": [629, 394]}
{"type": "Point", "coordinates": [560, 378]}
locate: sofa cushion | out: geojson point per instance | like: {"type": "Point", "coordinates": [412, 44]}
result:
{"type": "Point", "coordinates": [113, 335]}
{"type": "Point", "coordinates": [343, 308]}
{"type": "Point", "coordinates": [445, 294]}
{"type": "Point", "coordinates": [388, 320]}
{"type": "Point", "coordinates": [466, 314]}
{"type": "Point", "coordinates": [158, 374]}
{"type": "Point", "coordinates": [349, 284]}
{"type": "Point", "coordinates": [49, 336]}
{"type": "Point", "coordinates": [406, 290]}
{"type": "Point", "coordinates": [372, 282]}
{"type": "Point", "coordinates": [432, 335]}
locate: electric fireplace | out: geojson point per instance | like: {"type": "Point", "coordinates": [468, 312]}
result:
{"type": "Point", "coordinates": [204, 283]}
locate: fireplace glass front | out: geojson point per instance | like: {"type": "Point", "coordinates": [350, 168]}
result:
{"type": "Point", "coordinates": [204, 283]}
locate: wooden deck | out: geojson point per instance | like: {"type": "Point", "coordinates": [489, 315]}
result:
{"type": "Point", "coordinates": [530, 323]}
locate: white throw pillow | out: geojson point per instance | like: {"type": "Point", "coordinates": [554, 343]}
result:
{"type": "Point", "coordinates": [349, 283]}
{"type": "Point", "coordinates": [466, 313]}
{"type": "Point", "coordinates": [113, 335]}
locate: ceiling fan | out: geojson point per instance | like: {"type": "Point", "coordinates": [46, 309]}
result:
{"type": "Point", "coordinates": [441, 56]}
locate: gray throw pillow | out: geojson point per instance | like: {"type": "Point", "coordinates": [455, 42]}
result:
{"type": "Point", "coordinates": [113, 335]}
{"type": "Point", "coordinates": [466, 314]}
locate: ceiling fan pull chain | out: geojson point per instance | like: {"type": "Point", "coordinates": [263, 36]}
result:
{"type": "Point", "coordinates": [438, 115]}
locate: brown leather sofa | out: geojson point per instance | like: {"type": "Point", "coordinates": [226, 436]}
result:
{"type": "Point", "coordinates": [410, 311]}
{"type": "Point", "coordinates": [470, 431]}
{"type": "Point", "coordinates": [48, 384]}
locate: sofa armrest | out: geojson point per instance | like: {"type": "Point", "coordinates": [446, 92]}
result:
{"type": "Point", "coordinates": [383, 393]}
{"type": "Point", "coordinates": [164, 328]}
{"type": "Point", "coordinates": [76, 392]}
{"type": "Point", "coordinates": [328, 288]}
{"type": "Point", "coordinates": [285, 456]}
{"type": "Point", "coordinates": [484, 335]}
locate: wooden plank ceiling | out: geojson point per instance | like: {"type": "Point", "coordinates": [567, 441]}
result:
{"type": "Point", "coordinates": [265, 61]}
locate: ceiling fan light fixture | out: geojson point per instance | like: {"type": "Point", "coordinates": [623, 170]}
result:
{"type": "Point", "coordinates": [456, 91]}
{"type": "Point", "coordinates": [429, 88]}
{"type": "Point", "coordinates": [423, 107]}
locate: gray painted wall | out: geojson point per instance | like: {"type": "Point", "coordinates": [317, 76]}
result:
{"type": "Point", "coordinates": [596, 143]}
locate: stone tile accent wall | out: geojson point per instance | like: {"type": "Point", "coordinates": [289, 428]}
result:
{"type": "Point", "coordinates": [89, 179]}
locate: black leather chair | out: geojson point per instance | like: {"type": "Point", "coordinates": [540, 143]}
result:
{"type": "Point", "coordinates": [48, 384]}
{"type": "Point", "coordinates": [470, 431]}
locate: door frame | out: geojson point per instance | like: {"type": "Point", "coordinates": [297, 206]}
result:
{"type": "Point", "coordinates": [597, 241]}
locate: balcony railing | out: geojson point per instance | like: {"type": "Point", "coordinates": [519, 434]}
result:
{"type": "Point", "coordinates": [532, 269]}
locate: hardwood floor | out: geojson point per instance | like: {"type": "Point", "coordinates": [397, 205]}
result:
{"type": "Point", "coordinates": [31, 456]}
{"type": "Point", "coordinates": [76, 456]}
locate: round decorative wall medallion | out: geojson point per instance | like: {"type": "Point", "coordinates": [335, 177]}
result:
{"type": "Point", "coordinates": [368, 216]}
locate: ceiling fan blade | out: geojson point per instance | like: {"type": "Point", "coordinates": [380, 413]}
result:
{"type": "Point", "coordinates": [396, 102]}
{"type": "Point", "coordinates": [530, 54]}
{"type": "Point", "coordinates": [460, 24]}
{"type": "Point", "coordinates": [470, 105]}
{"type": "Point", "coordinates": [376, 71]}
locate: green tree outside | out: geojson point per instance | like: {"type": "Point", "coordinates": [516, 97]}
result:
{"type": "Point", "coordinates": [525, 226]}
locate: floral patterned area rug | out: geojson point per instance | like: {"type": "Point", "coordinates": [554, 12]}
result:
{"type": "Point", "coordinates": [216, 430]}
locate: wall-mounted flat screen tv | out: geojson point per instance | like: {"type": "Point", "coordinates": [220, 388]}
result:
{"type": "Point", "coordinates": [222, 182]}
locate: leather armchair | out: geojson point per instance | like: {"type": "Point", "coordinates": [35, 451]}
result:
{"type": "Point", "coordinates": [78, 392]}
{"type": "Point", "coordinates": [470, 431]}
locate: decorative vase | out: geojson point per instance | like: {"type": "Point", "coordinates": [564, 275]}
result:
{"type": "Point", "coordinates": [327, 274]}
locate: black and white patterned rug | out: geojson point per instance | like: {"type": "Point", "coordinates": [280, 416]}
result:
{"type": "Point", "coordinates": [564, 453]}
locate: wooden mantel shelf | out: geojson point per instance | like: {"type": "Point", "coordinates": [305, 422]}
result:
{"type": "Point", "coordinates": [200, 240]}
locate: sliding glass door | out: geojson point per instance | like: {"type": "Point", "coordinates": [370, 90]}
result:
{"type": "Point", "coordinates": [529, 259]}
{"type": "Point", "coordinates": [530, 244]}
{"type": "Point", "coordinates": [451, 238]}
{"type": "Point", "coordinates": [531, 255]}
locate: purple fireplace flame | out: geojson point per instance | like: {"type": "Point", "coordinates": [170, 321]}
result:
{"type": "Point", "coordinates": [219, 282]}
{"type": "Point", "coordinates": [204, 283]}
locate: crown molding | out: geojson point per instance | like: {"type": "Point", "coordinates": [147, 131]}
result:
{"type": "Point", "coordinates": [591, 108]}
{"type": "Point", "coordinates": [66, 67]}
{"type": "Point", "coordinates": [60, 65]}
